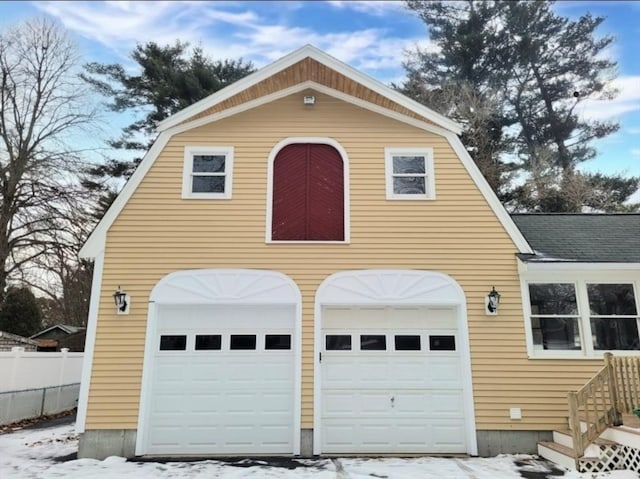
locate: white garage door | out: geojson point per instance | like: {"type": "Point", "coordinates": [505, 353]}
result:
{"type": "Point", "coordinates": [391, 381]}
{"type": "Point", "coordinates": [222, 381]}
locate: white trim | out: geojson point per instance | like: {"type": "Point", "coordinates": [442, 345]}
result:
{"type": "Point", "coordinates": [430, 184]}
{"type": "Point", "coordinates": [345, 170]}
{"type": "Point", "coordinates": [452, 295]}
{"type": "Point", "coordinates": [579, 277]}
{"type": "Point", "coordinates": [187, 171]}
{"type": "Point", "coordinates": [90, 343]}
{"type": "Point", "coordinates": [309, 85]}
{"type": "Point", "coordinates": [96, 241]}
{"type": "Point", "coordinates": [325, 59]}
{"type": "Point", "coordinates": [249, 105]}
{"type": "Point", "coordinates": [167, 291]}
{"type": "Point", "coordinates": [575, 267]}
{"type": "Point", "coordinates": [499, 210]}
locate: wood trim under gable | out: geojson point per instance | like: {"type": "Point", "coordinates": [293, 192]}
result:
{"type": "Point", "coordinates": [308, 69]}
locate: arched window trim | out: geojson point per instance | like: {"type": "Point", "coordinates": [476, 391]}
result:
{"type": "Point", "coordinates": [345, 161]}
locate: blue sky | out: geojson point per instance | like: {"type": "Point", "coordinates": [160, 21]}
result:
{"type": "Point", "coordinates": [371, 36]}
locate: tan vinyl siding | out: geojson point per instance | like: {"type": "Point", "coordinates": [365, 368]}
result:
{"type": "Point", "coordinates": [302, 71]}
{"type": "Point", "coordinates": [458, 234]}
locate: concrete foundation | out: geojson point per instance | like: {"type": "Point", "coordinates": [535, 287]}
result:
{"type": "Point", "coordinates": [492, 443]}
{"type": "Point", "coordinates": [102, 443]}
{"type": "Point", "coordinates": [306, 442]}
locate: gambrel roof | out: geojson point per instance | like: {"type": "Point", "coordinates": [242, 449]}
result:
{"type": "Point", "coordinates": [304, 69]}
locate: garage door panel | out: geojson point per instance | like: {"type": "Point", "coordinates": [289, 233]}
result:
{"type": "Point", "coordinates": [210, 399]}
{"type": "Point", "coordinates": [447, 403]}
{"type": "Point", "coordinates": [168, 404]}
{"type": "Point", "coordinates": [389, 401]}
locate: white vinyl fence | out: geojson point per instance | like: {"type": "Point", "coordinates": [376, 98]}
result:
{"type": "Point", "coordinates": [33, 384]}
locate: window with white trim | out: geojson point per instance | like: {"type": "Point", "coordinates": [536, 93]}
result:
{"type": "Point", "coordinates": [583, 317]}
{"type": "Point", "coordinates": [409, 173]}
{"type": "Point", "coordinates": [207, 172]}
{"type": "Point", "coordinates": [613, 316]}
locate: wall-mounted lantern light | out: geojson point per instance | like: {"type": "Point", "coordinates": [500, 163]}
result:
{"type": "Point", "coordinates": [309, 100]}
{"type": "Point", "coordinates": [492, 301]}
{"type": "Point", "coordinates": [122, 300]}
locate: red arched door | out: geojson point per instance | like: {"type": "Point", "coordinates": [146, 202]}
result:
{"type": "Point", "coordinates": [308, 194]}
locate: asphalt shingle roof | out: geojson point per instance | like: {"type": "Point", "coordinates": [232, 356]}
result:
{"type": "Point", "coordinates": [611, 238]}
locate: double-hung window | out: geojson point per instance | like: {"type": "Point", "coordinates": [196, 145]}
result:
{"type": "Point", "coordinates": [409, 173]}
{"type": "Point", "coordinates": [207, 172]}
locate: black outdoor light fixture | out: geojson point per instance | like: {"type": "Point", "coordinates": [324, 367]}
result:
{"type": "Point", "coordinates": [492, 301]}
{"type": "Point", "coordinates": [122, 301]}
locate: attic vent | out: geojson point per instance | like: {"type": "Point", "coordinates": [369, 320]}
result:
{"type": "Point", "coordinates": [309, 100]}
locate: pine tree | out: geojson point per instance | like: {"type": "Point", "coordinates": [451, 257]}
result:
{"type": "Point", "coordinates": [20, 313]}
{"type": "Point", "coordinates": [537, 66]}
{"type": "Point", "coordinates": [171, 78]}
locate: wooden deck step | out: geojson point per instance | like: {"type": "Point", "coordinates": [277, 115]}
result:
{"type": "Point", "coordinates": [559, 454]}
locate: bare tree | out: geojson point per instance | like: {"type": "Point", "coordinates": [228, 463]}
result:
{"type": "Point", "coordinates": [44, 109]}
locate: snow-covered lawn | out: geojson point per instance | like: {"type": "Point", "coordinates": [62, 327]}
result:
{"type": "Point", "coordinates": [43, 453]}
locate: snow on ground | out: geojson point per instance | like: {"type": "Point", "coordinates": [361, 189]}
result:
{"type": "Point", "coordinates": [44, 454]}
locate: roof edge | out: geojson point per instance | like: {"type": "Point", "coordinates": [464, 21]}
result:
{"type": "Point", "coordinates": [311, 52]}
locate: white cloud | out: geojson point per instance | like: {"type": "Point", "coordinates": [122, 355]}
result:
{"type": "Point", "coordinates": [230, 30]}
{"type": "Point", "coordinates": [120, 25]}
{"type": "Point", "coordinates": [628, 100]}
{"type": "Point", "coordinates": [635, 152]}
{"type": "Point", "coordinates": [377, 8]}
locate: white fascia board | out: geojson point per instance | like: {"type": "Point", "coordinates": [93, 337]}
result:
{"type": "Point", "coordinates": [96, 241]}
{"type": "Point", "coordinates": [499, 210]}
{"type": "Point", "coordinates": [325, 59]}
{"type": "Point", "coordinates": [306, 86]}
{"type": "Point", "coordinates": [385, 91]}
{"type": "Point", "coordinates": [575, 267]}
{"type": "Point", "coordinates": [235, 88]}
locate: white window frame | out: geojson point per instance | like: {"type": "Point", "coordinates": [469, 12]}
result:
{"type": "Point", "coordinates": [429, 178]}
{"type": "Point", "coordinates": [580, 279]}
{"type": "Point", "coordinates": [187, 171]}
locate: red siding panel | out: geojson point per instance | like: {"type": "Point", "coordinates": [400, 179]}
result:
{"type": "Point", "coordinates": [308, 194]}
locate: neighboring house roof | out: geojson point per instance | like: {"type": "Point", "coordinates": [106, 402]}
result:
{"type": "Point", "coordinates": [586, 238]}
{"type": "Point", "coordinates": [304, 69]}
{"type": "Point", "coordinates": [17, 338]}
{"type": "Point", "coordinates": [61, 328]}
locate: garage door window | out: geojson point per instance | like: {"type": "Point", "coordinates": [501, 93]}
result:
{"type": "Point", "coordinates": [242, 341]}
{"type": "Point", "coordinates": [208, 342]}
{"type": "Point", "coordinates": [442, 343]}
{"type": "Point", "coordinates": [173, 343]}
{"type": "Point", "coordinates": [407, 342]}
{"type": "Point", "coordinates": [277, 341]}
{"type": "Point", "coordinates": [338, 342]}
{"type": "Point", "coordinates": [373, 342]}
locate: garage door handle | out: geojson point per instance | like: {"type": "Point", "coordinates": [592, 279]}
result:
{"type": "Point", "coordinates": [393, 399]}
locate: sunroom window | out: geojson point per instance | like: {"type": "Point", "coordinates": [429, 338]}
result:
{"type": "Point", "coordinates": [583, 318]}
{"type": "Point", "coordinates": [554, 316]}
{"type": "Point", "coordinates": [613, 316]}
